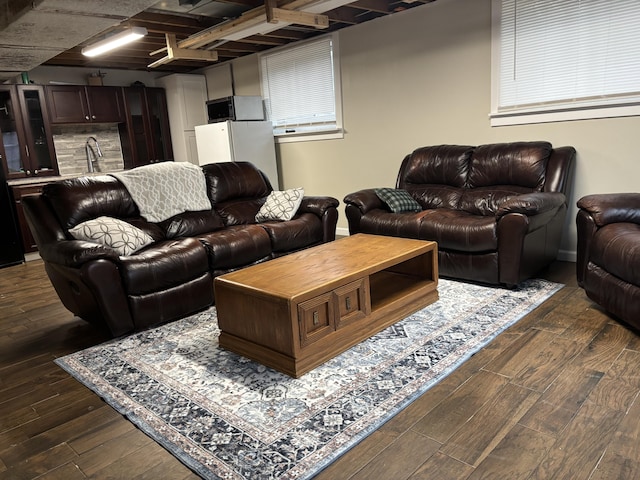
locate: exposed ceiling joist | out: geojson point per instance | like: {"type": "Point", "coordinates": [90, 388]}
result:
{"type": "Point", "coordinates": [258, 20]}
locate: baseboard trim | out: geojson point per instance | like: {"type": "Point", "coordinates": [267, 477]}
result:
{"type": "Point", "coordinates": [567, 256]}
{"type": "Point", "coordinates": [342, 232]}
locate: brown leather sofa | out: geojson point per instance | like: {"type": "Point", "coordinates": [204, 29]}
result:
{"type": "Point", "coordinates": [173, 276]}
{"type": "Point", "coordinates": [496, 211]}
{"type": "Point", "coordinates": [608, 253]}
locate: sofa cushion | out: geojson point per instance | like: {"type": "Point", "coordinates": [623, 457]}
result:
{"type": "Point", "coordinates": [163, 265]}
{"type": "Point", "coordinates": [398, 200]}
{"type": "Point", "coordinates": [234, 180]}
{"type": "Point", "coordinates": [239, 212]}
{"type": "Point", "coordinates": [236, 246]}
{"type": "Point", "coordinates": [77, 200]}
{"type": "Point", "coordinates": [189, 224]}
{"type": "Point", "coordinates": [280, 205]}
{"type": "Point", "coordinates": [519, 163]}
{"type": "Point", "coordinates": [436, 196]}
{"type": "Point", "coordinates": [616, 248]}
{"type": "Point", "coordinates": [111, 232]}
{"type": "Point", "coordinates": [487, 200]}
{"type": "Point", "coordinates": [459, 230]}
{"type": "Point", "coordinates": [382, 222]}
{"type": "Point", "coordinates": [300, 232]}
{"type": "Point", "coordinates": [436, 165]}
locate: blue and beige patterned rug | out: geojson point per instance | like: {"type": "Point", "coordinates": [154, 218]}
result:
{"type": "Point", "coordinates": [228, 417]}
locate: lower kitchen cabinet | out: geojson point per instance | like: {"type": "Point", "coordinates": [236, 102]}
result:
{"type": "Point", "coordinates": [20, 191]}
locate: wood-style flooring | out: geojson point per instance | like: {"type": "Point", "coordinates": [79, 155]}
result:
{"type": "Point", "coordinates": [553, 397]}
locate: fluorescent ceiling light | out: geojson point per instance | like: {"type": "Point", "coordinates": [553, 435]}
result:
{"type": "Point", "coordinates": [114, 41]}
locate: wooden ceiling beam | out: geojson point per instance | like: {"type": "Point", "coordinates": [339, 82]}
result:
{"type": "Point", "coordinates": [174, 52]}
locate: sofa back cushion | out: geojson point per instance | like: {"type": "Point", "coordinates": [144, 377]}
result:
{"type": "Point", "coordinates": [522, 164]}
{"type": "Point", "coordinates": [80, 199]}
{"type": "Point", "coordinates": [436, 165]}
{"type": "Point", "coordinates": [235, 180]}
{"type": "Point", "coordinates": [191, 224]}
{"type": "Point", "coordinates": [435, 175]}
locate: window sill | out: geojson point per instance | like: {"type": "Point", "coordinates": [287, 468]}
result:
{"type": "Point", "coordinates": [523, 118]}
{"type": "Point", "coordinates": [309, 136]}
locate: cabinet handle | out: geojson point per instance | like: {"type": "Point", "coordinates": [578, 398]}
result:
{"type": "Point", "coordinates": [86, 117]}
{"type": "Point", "coordinates": [316, 319]}
{"type": "Point", "coordinates": [35, 172]}
{"type": "Point", "coordinates": [26, 150]}
{"type": "Point", "coordinates": [348, 303]}
{"type": "Point", "coordinates": [93, 117]}
{"type": "Point", "coordinates": [28, 172]}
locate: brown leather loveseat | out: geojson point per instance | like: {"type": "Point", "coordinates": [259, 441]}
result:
{"type": "Point", "coordinates": [173, 275]}
{"type": "Point", "coordinates": [608, 253]}
{"type": "Point", "coordinates": [496, 211]}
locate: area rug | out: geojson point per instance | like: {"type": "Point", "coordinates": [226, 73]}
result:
{"type": "Point", "coordinates": [228, 417]}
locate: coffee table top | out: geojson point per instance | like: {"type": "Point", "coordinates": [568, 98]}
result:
{"type": "Point", "coordinates": [320, 267]}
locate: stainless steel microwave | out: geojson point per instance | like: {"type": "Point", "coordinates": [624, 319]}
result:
{"type": "Point", "coordinates": [236, 107]}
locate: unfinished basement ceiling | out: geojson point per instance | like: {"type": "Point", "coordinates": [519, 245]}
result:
{"type": "Point", "coordinates": [53, 32]}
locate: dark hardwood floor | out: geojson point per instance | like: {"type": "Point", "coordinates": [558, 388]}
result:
{"type": "Point", "coordinates": [553, 397]}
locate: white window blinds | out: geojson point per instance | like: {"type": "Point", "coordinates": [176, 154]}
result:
{"type": "Point", "coordinates": [298, 85]}
{"type": "Point", "coordinates": [568, 54]}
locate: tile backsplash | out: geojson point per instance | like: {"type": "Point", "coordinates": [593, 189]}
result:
{"type": "Point", "coordinates": [70, 142]}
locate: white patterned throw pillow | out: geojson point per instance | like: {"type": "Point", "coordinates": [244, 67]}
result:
{"type": "Point", "coordinates": [281, 205]}
{"type": "Point", "coordinates": [111, 232]}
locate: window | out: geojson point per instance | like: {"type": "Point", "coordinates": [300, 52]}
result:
{"type": "Point", "coordinates": [300, 86]}
{"type": "Point", "coordinates": [565, 60]}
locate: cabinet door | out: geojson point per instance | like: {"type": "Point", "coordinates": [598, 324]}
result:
{"type": "Point", "coordinates": [40, 151]}
{"type": "Point", "coordinates": [159, 124]}
{"type": "Point", "coordinates": [105, 104]}
{"type": "Point", "coordinates": [67, 104]}
{"type": "Point", "coordinates": [28, 242]}
{"type": "Point", "coordinates": [134, 135]}
{"type": "Point", "coordinates": [13, 140]}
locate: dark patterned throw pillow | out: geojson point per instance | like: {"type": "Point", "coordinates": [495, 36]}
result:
{"type": "Point", "coordinates": [398, 200]}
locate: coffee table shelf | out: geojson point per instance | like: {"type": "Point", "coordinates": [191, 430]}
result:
{"type": "Point", "coordinates": [296, 312]}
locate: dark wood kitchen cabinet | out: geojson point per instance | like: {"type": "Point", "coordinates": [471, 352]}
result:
{"type": "Point", "coordinates": [27, 144]}
{"type": "Point", "coordinates": [84, 104]}
{"type": "Point", "coordinates": [20, 191]}
{"type": "Point", "coordinates": [145, 135]}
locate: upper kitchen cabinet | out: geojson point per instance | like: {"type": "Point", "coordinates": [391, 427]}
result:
{"type": "Point", "coordinates": [145, 137]}
{"type": "Point", "coordinates": [82, 104]}
{"type": "Point", "coordinates": [27, 144]}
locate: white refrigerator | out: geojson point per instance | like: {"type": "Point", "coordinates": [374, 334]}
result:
{"type": "Point", "coordinates": [250, 141]}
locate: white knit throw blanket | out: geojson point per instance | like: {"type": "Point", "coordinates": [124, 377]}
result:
{"type": "Point", "coordinates": [162, 190]}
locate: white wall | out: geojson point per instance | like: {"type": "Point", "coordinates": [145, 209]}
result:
{"type": "Point", "coordinates": [423, 77]}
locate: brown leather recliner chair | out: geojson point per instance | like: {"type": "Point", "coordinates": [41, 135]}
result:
{"type": "Point", "coordinates": [608, 253]}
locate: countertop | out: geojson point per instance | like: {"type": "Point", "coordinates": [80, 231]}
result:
{"type": "Point", "coordinates": [47, 179]}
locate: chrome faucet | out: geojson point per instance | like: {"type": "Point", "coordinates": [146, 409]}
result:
{"type": "Point", "coordinates": [92, 155]}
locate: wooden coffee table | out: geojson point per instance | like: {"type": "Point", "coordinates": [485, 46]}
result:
{"type": "Point", "coordinates": [296, 312]}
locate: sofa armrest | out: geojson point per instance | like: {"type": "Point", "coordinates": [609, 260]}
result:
{"type": "Point", "coordinates": [75, 253]}
{"type": "Point", "coordinates": [317, 205]}
{"type": "Point", "coordinates": [326, 208]}
{"type": "Point", "coordinates": [608, 208]}
{"type": "Point", "coordinates": [365, 200]}
{"type": "Point", "coordinates": [531, 204]}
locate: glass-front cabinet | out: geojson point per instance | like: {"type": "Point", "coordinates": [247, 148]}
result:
{"type": "Point", "coordinates": [145, 136]}
{"type": "Point", "coordinates": [27, 144]}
